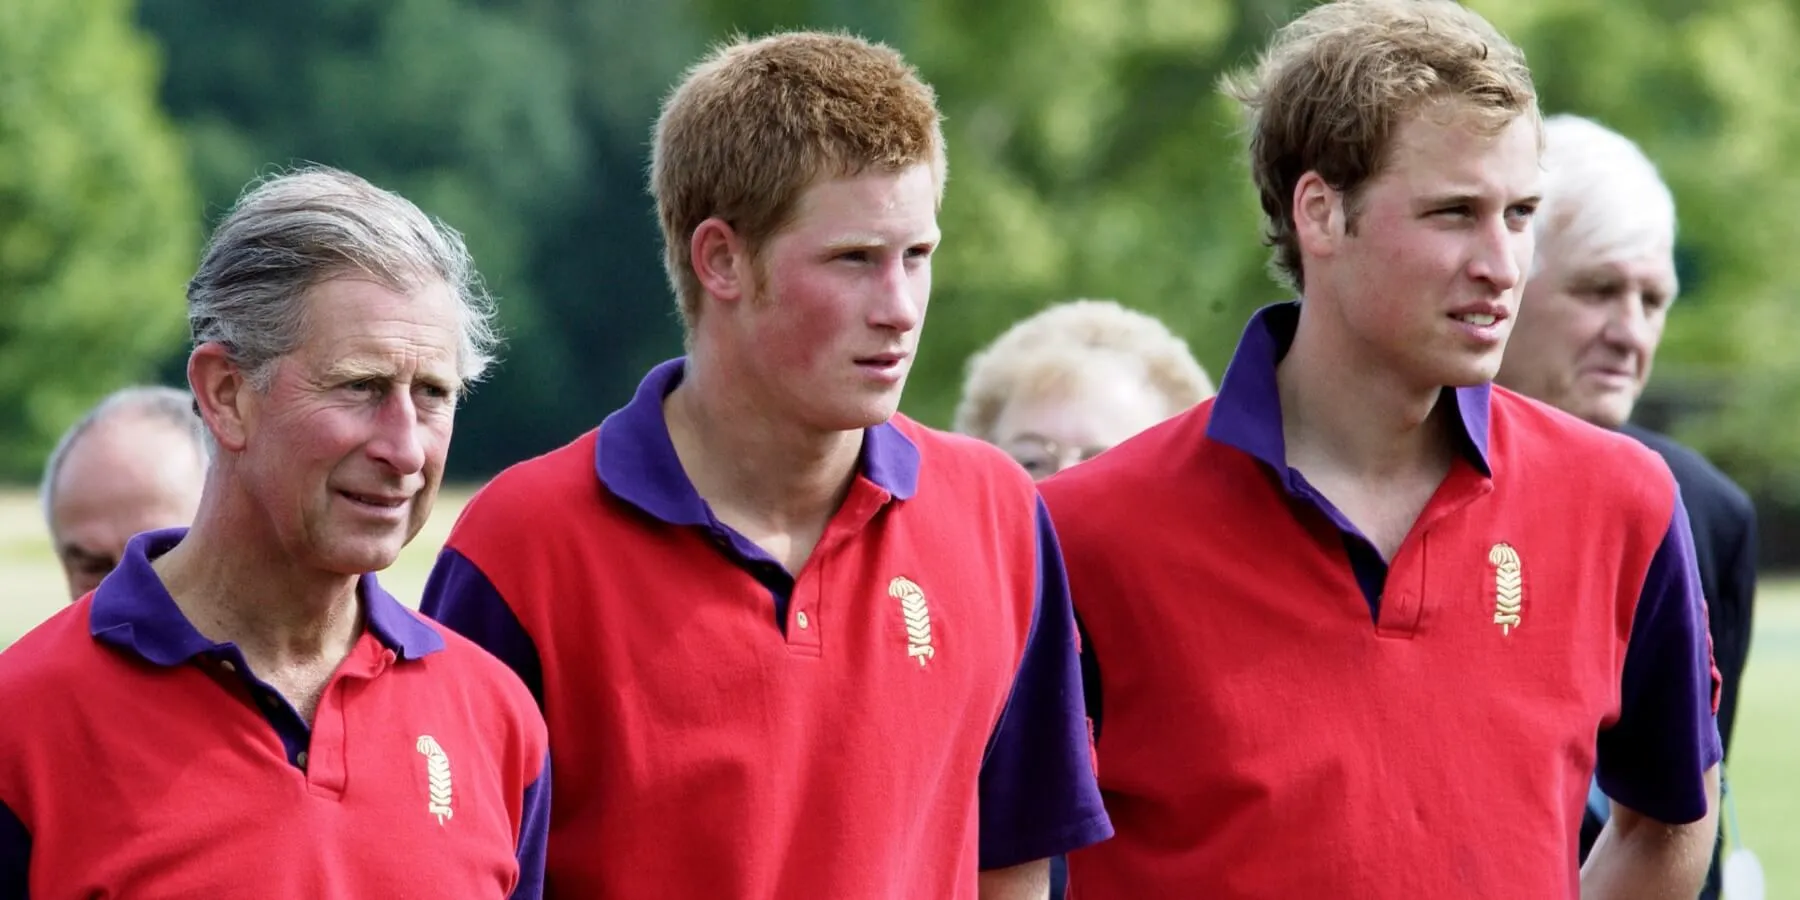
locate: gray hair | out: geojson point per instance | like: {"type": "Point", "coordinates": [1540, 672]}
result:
{"type": "Point", "coordinates": [158, 405]}
{"type": "Point", "coordinates": [292, 231]}
{"type": "Point", "coordinates": [1602, 195]}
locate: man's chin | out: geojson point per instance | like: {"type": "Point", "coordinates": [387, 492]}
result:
{"type": "Point", "coordinates": [365, 555]}
{"type": "Point", "coordinates": [870, 412]}
{"type": "Point", "coordinates": [1609, 418]}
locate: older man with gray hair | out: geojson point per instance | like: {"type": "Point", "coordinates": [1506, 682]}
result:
{"type": "Point", "coordinates": [135, 462]}
{"type": "Point", "coordinates": [1589, 323]}
{"type": "Point", "coordinates": [239, 709]}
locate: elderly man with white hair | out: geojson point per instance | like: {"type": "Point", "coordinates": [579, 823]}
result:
{"type": "Point", "coordinates": [1589, 323]}
{"type": "Point", "coordinates": [239, 709]}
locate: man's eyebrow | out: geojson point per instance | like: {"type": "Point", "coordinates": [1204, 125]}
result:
{"type": "Point", "coordinates": [353, 370]}
{"type": "Point", "coordinates": [1469, 198]}
{"type": "Point", "coordinates": [356, 370]}
{"type": "Point", "coordinates": [72, 550]}
{"type": "Point", "coordinates": [447, 383]}
{"type": "Point", "coordinates": [1597, 276]}
{"type": "Point", "coordinates": [870, 240]}
{"type": "Point", "coordinates": [1449, 198]}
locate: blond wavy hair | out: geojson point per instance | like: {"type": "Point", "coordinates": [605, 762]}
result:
{"type": "Point", "coordinates": [757, 122]}
{"type": "Point", "coordinates": [1049, 350]}
{"type": "Point", "coordinates": [1336, 84]}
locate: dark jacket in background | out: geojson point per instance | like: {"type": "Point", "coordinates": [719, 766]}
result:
{"type": "Point", "coordinates": [1724, 526]}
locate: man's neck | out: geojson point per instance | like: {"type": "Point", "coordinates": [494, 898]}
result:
{"type": "Point", "coordinates": [234, 586]}
{"type": "Point", "coordinates": [1353, 416]}
{"type": "Point", "coordinates": [757, 473]}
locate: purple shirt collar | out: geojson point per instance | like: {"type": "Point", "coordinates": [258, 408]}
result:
{"type": "Point", "coordinates": [636, 460]}
{"type": "Point", "coordinates": [132, 610]}
{"type": "Point", "coordinates": [1247, 412]}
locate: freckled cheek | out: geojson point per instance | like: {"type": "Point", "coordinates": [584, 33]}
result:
{"type": "Point", "coordinates": [798, 351]}
{"type": "Point", "coordinates": [812, 330]}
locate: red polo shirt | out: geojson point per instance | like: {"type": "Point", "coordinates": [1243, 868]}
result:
{"type": "Point", "coordinates": [140, 759]}
{"type": "Point", "coordinates": [1282, 713]}
{"type": "Point", "coordinates": [901, 712]}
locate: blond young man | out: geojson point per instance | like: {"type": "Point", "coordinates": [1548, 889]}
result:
{"type": "Point", "coordinates": [789, 642]}
{"type": "Point", "coordinates": [1357, 620]}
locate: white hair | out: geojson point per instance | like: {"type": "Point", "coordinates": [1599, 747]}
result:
{"type": "Point", "coordinates": [293, 231]}
{"type": "Point", "coordinates": [1602, 196]}
{"type": "Point", "coordinates": [1052, 346]}
{"type": "Point", "coordinates": [157, 405]}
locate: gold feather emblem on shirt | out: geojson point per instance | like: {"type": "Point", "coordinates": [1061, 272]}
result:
{"type": "Point", "coordinates": [1509, 589]}
{"type": "Point", "coordinates": [918, 618]}
{"type": "Point", "coordinates": [437, 777]}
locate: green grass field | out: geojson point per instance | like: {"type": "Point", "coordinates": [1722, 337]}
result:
{"type": "Point", "coordinates": [1768, 796]}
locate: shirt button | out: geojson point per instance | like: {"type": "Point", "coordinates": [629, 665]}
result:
{"type": "Point", "coordinates": [228, 665]}
{"type": "Point", "coordinates": [300, 759]}
{"type": "Point", "coordinates": [800, 619]}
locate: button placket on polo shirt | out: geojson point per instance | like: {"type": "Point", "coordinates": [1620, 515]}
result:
{"type": "Point", "coordinates": [281, 716]}
{"type": "Point", "coordinates": [327, 769]}
{"type": "Point", "coordinates": [226, 665]}
{"type": "Point", "coordinates": [1408, 577]}
{"type": "Point", "coordinates": [805, 628]}
{"type": "Point", "coordinates": [805, 625]}
{"type": "Point", "coordinates": [806, 605]}
{"type": "Point", "coordinates": [1403, 596]}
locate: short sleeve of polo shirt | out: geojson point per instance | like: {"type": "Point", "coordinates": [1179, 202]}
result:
{"type": "Point", "coordinates": [1039, 797]}
{"type": "Point", "coordinates": [460, 596]}
{"type": "Point", "coordinates": [534, 836]}
{"type": "Point", "coordinates": [1654, 758]}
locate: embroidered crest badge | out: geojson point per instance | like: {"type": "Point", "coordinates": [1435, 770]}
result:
{"type": "Point", "coordinates": [917, 616]}
{"type": "Point", "coordinates": [437, 778]}
{"type": "Point", "coordinates": [1509, 587]}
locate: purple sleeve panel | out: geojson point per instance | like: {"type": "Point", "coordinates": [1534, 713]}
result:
{"type": "Point", "coordinates": [1654, 759]}
{"type": "Point", "coordinates": [15, 856]}
{"type": "Point", "coordinates": [1039, 798]}
{"type": "Point", "coordinates": [534, 837]}
{"type": "Point", "coordinates": [460, 596]}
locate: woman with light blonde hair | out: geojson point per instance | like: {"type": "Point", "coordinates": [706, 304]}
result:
{"type": "Point", "coordinates": [1071, 381]}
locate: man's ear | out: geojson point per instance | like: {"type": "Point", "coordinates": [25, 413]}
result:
{"type": "Point", "coordinates": [221, 395]}
{"type": "Point", "coordinates": [721, 260]}
{"type": "Point", "coordinates": [1319, 215]}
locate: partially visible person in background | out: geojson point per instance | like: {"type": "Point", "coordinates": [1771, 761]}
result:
{"type": "Point", "coordinates": [133, 463]}
{"type": "Point", "coordinates": [239, 709]}
{"type": "Point", "coordinates": [1065, 384]}
{"type": "Point", "coordinates": [1588, 327]}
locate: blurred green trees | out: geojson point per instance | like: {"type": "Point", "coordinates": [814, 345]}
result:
{"type": "Point", "coordinates": [520, 124]}
{"type": "Point", "coordinates": [98, 222]}
{"type": "Point", "coordinates": [1091, 155]}
{"type": "Point", "coordinates": [1708, 90]}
